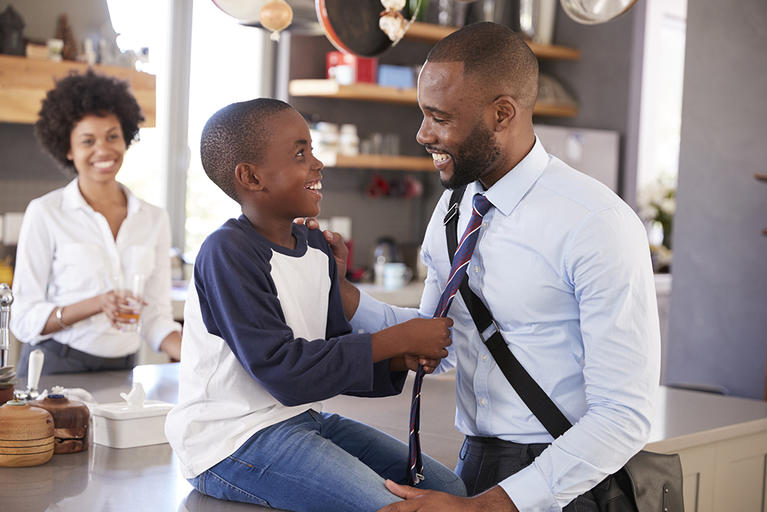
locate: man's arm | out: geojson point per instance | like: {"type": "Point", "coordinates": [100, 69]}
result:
{"type": "Point", "coordinates": [350, 295]}
{"type": "Point", "coordinates": [607, 264]}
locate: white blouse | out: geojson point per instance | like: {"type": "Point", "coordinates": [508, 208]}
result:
{"type": "Point", "coordinates": [66, 253]}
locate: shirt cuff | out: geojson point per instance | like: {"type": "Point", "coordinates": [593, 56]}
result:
{"type": "Point", "coordinates": [158, 332]}
{"type": "Point", "coordinates": [529, 491]}
{"type": "Point", "coordinates": [367, 317]}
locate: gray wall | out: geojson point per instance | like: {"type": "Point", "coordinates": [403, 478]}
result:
{"type": "Point", "coordinates": [605, 81]}
{"type": "Point", "coordinates": [718, 327]}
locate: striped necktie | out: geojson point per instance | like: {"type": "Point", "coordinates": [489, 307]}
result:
{"type": "Point", "coordinates": [457, 273]}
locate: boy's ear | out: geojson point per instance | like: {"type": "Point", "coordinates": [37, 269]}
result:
{"type": "Point", "coordinates": [245, 174]}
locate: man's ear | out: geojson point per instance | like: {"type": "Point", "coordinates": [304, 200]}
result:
{"type": "Point", "coordinates": [505, 109]}
{"type": "Point", "coordinates": [245, 174]}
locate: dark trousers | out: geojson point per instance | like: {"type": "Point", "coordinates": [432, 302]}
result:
{"type": "Point", "coordinates": [60, 358]}
{"type": "Point", "coordinates": [486, 461]}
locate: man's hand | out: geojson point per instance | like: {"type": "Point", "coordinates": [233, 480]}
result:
{"type": "Point", "coordinates": [340, 251]}
{"type": "Point", "coordinates": [336, 241]}
{"type": "Point", "coordinates": [424, 500]}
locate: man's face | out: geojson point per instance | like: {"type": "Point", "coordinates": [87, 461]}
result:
{"type": "Point", "coordinates": [289, 171]}
{"type": "Point", "coordinates": [453, 129]}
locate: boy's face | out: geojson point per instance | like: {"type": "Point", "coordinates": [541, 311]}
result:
{"type": "Point", "coordinates": [289, 172]}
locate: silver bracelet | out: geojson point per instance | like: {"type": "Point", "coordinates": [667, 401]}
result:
{"type": "Point", "coordinates": [59, 309]}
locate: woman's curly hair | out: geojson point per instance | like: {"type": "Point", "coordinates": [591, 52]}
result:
{"type": "Point", "coordinates": [76, 96]}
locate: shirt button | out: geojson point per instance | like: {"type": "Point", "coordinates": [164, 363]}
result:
{"type": "Point", "coordinates": [484, 224]}
{"type": "Point", "coordinates": [483, 402]}
{"type": "Point", "coordinates": [484, 357]}
{"type": "Point", "coordinates": [476, 269]}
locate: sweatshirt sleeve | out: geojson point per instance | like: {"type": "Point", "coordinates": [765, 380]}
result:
{"type": "Point", "coordinates": [239, 303]}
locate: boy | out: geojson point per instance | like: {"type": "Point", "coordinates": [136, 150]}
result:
{"type": "Point", "coordinates": [266, 338]}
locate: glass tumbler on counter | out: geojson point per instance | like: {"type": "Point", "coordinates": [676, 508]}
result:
{"type": "Point", "coordinates": [129, 287]}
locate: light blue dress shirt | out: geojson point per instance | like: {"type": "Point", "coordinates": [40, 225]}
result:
{"type": "Point", "coordinates": [563, 264]}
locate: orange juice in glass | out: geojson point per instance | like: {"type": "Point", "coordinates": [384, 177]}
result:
{"type": "Point", "coordinates": [129, 288]}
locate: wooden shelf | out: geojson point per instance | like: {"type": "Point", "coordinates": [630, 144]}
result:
{"type": "Point", "coordinates": [24, 83]}
{"type": "Point", "coordinates": [429, 33]}
{"type": "Point", "coordinates": [382, 162]}
{"type": "Point", "coordinates": [323, 88]}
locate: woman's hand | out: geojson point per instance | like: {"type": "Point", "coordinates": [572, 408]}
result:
{"type": "Point", "coordinates": [109, 304]}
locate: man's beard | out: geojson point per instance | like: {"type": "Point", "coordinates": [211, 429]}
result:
{"type": "Point", "coordinates": [473, 158]}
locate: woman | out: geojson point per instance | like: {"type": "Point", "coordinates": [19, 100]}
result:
{"type": "Point", "coordinates": [76, 239]}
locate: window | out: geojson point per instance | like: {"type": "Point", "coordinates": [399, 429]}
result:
{"type": "Point", "coordinates": [227, 66]}
{"type": "Point", "coordinates": [141, 24]}
{"type": "Point", "coordinates": [661, 110]}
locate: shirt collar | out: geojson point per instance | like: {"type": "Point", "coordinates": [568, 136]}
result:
{"type": "Point", "coordinates": [73, 198]}
{"type": "Point", "coordinates": [508, 191]}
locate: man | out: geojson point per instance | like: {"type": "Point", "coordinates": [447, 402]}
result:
{"type": "Point", "coordinates": [563, 265]}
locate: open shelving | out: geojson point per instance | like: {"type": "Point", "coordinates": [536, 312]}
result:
{"type": "Point", "coordinates": [24, 83]}
{"type": "Point", "coordinates": [430, 33]}
{"type": "Point", "coordinates": [328, 88]}
{"type": "Point", "coordinates": [380, 162]}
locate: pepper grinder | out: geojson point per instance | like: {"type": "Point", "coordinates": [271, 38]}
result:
{"type": "Point", "coordinates": [36, 358]}
{"type": "Point", "coordinates": [7, 372]}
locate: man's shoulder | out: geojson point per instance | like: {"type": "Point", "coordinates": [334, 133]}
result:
{"type": "Point", "coordinates": [577, 188]}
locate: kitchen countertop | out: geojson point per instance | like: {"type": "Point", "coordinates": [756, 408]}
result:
{"type": "Point", "coordinates": [148, 478]}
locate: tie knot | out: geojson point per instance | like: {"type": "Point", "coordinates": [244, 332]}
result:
{"type": "Point", "coordinates": [481, 204]}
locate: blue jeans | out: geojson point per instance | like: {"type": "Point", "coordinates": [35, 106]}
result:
{"type": "Point", "coordinates": [319, 461]}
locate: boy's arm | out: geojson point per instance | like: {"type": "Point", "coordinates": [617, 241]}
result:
{"type": "Point", "coordinates": [389, 374]}
{"type": "Point", "coordinates": [239, 303]}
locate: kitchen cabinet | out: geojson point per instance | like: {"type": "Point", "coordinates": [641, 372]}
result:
{"type": "Point", "coordinates": [24, 83]}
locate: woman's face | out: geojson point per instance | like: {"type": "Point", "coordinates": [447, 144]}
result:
{"type": "Point", "coordinates": [97, 147]}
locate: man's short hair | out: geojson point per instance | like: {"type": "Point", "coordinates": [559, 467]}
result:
{"type": "Point", "coordinates": [235, 134]}
{"type": "Point", "coordinates": [494, 55]}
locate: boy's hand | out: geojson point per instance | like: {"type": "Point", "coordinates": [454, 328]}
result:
{"type": "Point", "coordinates": [426, 336]}
{"type": "Point", "coordinates": [412, 362]}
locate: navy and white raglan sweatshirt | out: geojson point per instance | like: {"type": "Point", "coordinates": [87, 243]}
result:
{"type": "Point", "coordinates": [265, 339]}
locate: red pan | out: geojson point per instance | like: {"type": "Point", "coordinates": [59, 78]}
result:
{"type": "Point", "coordinates": [352, 27]}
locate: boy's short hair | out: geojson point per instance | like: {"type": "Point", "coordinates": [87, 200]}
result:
{"type": "Point", "coordinates": [76, 96]}
{"type": "Point", "coordinates": [235, 134]}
